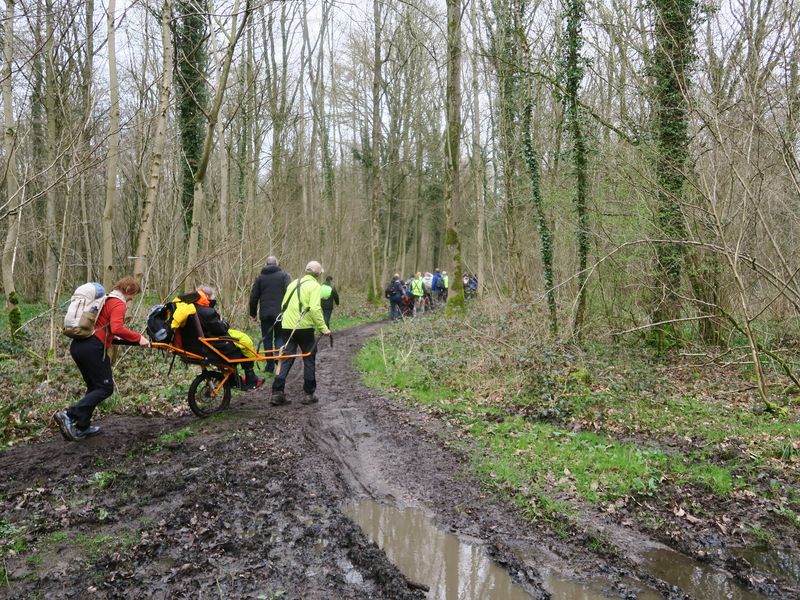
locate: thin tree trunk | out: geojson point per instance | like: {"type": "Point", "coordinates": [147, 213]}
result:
{"type": "Point", "coordinates": [51, 229]}
{"type": "Point", "coordinates": [574, 75]}
{"type": "Point", "coordinates": [145, 230]}
{"type": "Point", "coordinates": [12, 187]}
{"type": "Point", "coordinates": [452, 158]}
{"type": "Point", "coordinates": [477, 154]}
{"type": "Point", "coordinates": [375, 157]}
{"type": "Point", "coordinates": [213, 114]}
{"type": "Point", "coordinates": [86, 105]}
{"type": "Point", "coordinates": [113, 152]}
{"type": "Point", "coordinates": [545, 235]}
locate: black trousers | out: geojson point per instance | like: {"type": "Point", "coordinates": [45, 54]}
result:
{"type": "Point", "coordinates": [326, 315]}
{"type": "Point", "coordinates": [271, 338]}
{"type": "Point", "coordinates": [304, 339]}
{"type": "Point", "coordinates": [95, 367]}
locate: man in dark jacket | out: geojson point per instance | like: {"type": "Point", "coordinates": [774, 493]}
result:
{"type": "Point", "coordinates": [394, 293]}
{"type": "Point", "coordinates": [328, 296]}
{"type": "Point", "coordinates": [266, 297]}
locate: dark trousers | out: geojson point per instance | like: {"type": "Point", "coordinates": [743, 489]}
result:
{"type": "Point", "coordinates": [326, 315]}
{"type": "Point", "coordinates": [304, 339]}
{"type": "Point", "coordinates": [271, 338]}
{"type": "Point", "coordinates": [95, 367]}
{"type": "Point", "coordinates": [395, 311]}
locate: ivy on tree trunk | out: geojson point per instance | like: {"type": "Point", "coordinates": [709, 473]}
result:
{"type": "Point", "coordinates": [672, 56]}
{"type": "Point", "coordinates": [192, 93]}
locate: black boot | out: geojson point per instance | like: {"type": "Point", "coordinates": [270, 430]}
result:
{"type": "Point", "coordinates": [251, 380]}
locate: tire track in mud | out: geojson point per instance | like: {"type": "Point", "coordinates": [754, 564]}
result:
{"type": "Point", "coordinates": [395, 455]}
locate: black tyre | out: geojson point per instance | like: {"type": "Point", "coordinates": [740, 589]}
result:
{"type": "Point", "coordinates": [202, 397]}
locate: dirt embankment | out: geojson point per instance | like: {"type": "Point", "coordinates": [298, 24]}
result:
{"type": "Point", "coordinates": [251, 504]}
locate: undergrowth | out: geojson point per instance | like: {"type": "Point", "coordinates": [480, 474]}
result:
{"type": "Point", "coordinates": [554, 424]}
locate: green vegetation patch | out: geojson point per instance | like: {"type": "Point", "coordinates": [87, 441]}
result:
{"type": "Point", "coordinates": [549, 425]}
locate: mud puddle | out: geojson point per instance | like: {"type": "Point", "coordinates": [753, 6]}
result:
{"type": "Point", "coordinates": [695, 578]}
{"type": "Point", "coordinates": [451, 567]}
{"type": "Point", "coordinates": [773, 560]}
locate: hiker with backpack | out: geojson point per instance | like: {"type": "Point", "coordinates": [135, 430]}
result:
{"type": "Point", "coordinates": [301, 319]}
{"type": "Point", "coordinates": [394, 294]}
{"type": "Point", "coordinates": [90, 351]}
{"type": "Point", "coordinates": [328, 296]}
{"type": "Point", "coordinates": [418, 292]}
{"type": "Point", "coordinates": [211, 325]}
{"type": "Point", "coordinates": [266, 296]}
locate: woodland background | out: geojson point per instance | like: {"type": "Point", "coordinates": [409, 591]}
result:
{"type": "Point", "coordinates": [613, 166]}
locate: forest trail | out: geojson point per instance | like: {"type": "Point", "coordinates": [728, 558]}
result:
{"type": "Point", "coordinates": [260, 502]}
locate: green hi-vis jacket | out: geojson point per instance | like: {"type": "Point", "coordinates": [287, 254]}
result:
{"type": "Point", "coordinates": [310, 302]}
{"type": "Point", "coordinates": [416, 287]}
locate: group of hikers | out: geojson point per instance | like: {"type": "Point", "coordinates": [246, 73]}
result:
{"type": "Point", "coordinates": [420, 292]}
{"type": "Point", "coordinates": [292, 313]}
{"type": "Point", "coordinates": [423, 291]}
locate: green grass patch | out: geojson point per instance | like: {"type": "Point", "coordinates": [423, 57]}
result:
{"type": "Point", "coordinates": [551, 424]}
{"type": "Point", "coordinates": [12, 539]}
{"type": "Point", "coordinates": [105, 479]}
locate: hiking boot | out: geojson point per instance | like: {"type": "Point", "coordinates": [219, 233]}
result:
{"type": "Point", "coordinates": [309, 399]}
{"type": "Point", "coordinates": [66, 425]}
{"type": "Point", "coordinates": [89, 431]}
{"type": "Point", "coordinates": [244, 385]}
{"type": "Point", "coordinates": [279, 399]}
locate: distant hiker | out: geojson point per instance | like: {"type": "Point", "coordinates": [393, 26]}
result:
{"type": "Point", "coordinates": [418, 291]}
{"type": "Point", "coordinates": [470, 283]}
{"type": "Point", "coordinates": [445, 286]}
{"type": "Point", "coordinates": [266, 295]}
{"type": "Point", "coordinates": [91, 356]}
{"type": "Point", "coordinates": [301, 319]}
{"type": "Point", "coordinates": [394, 293]}
{"type": "Point", "coordinates": [436, 285]}
{"type": "Point", "coordinates": [212, 325]}
{"type": "Point", "coordinates": [328, 296]}
{"type": "Point", "coordinates": [427, 288]}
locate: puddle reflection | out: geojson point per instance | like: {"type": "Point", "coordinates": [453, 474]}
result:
{"type": "Point", "coordinates": [453, 569]}
{"type": "Point", "coordinates": [695, 578]}
{"type": "Point", "coordinates": [774, 561]}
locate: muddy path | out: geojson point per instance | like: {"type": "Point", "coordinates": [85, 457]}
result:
{"type": "Point", "coordinates": [262, 502]}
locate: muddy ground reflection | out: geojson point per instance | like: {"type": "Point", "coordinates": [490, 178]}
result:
{"type": "Point", "coordinates": [451, 567]}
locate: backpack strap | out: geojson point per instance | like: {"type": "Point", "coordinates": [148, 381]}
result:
{"type": "Point", "coordinates": [289, 299]}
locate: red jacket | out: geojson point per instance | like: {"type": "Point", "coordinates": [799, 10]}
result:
{"type": "Point", "coordinates": [113, 312]}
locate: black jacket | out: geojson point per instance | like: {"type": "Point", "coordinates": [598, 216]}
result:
{"type": "Point", "coordinates": [267, 292]}
{"type": "Point", "coordinates": [327, 303]}
{"type": "Point", "coordinates": [213, 326]}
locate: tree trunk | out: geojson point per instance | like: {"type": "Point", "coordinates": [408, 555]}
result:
{"type": "Point", "coordinates": [477, 154]}
{"type": "Point", "coordinates": [113, 152]}
{"type": "Point", "coordinates": [545, 235]}
{"type": "Point", "coordinates": [12, 188]}
{"type": "Point", "coordinates": [192, 95]}
{"type": "Point", "coordinates": [674, 38]}
{"type": "Point", "coordinates": [452, 158]}
{"type": "Point", "coordinates": [375, 146]}
{"type": "Point", "coordinates": [86, 106]}
{"type": "Point", "coordinates": [145, 230]}
{"type": "Point", "coordinates": [573, 76]}
{"type": "Point", "coordinates": [51, 228]}
{"type": "Point", "coordinates": [213, 114]}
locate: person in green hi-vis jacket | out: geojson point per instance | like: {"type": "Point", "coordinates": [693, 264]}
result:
{"type": "Point", "coordinates": [300, 322]}
{"type": "Point", "coordinates": [328, 296]}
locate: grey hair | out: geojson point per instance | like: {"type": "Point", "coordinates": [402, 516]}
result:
{"type": "Point", "coordinates": [272, 261]}
{"type": "Point", "coordinates": [208, 291]}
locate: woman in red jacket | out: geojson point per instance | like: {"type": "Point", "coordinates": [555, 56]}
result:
{"type": "Point", "coordinates": [91, 356]}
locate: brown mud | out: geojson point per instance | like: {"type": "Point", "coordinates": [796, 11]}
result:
{"type": "Point", "coordinates": [258, 502]}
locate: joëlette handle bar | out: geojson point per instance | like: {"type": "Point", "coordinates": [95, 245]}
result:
{"type": "Point", "coordinates": [260, 356]}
